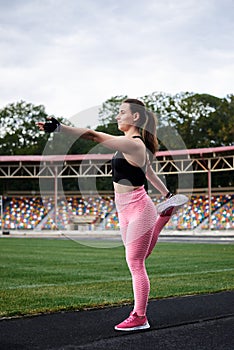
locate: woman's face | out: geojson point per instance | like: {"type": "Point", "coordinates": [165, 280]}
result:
{"type": "Point", "coordinates": [125, 118]}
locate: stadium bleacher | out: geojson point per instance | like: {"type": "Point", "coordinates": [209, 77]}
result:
{"type": "Point", "coordinates": [30, 213]}
{"type": "Point", "coordinates": [196, 213]}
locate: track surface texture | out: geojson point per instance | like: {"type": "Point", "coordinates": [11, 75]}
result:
{"type": "Point", "coordinates": [199, 322]}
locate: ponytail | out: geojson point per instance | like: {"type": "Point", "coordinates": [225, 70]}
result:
{"type": "Point", "coordinates": [147, 124]}
{"type": "Point", "coordinates": [149, 134]}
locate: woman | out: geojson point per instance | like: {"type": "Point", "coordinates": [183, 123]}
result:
{"type": "Point", "coordinates": [140, 221]}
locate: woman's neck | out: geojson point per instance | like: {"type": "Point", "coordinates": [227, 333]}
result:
{"type": "Point", "coordinates": [132, 132]}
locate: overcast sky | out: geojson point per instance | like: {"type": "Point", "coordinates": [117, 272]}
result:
{"type": "Point", "coordinates": [72, 55]}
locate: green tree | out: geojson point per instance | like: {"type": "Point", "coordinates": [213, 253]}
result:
{"type": "Point", "coordinates": [20, 134]}
{"type": "Point", "coordinates": [193, 120]}
{"type": "Point", "coordinates": [221, 125]}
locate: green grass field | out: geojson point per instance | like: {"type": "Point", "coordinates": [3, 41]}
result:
{"type": "Point", "coordinates": [43, 275]}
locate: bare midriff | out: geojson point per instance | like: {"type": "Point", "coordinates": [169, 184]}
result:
{"type": "Point", "coordinates": [123, 188]}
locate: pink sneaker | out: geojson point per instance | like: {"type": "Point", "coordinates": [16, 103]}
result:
{"type": "Point", "coordinates": [133, 323]}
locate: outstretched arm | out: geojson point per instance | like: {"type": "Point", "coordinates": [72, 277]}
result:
{"type": "Point", "coordinates": [117, 143]}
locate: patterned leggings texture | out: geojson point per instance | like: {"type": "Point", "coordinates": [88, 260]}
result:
{"type": "Point", "coordinates": [140, 227]}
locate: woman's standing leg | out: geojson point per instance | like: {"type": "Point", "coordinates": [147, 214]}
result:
{"type": "Point", "coordinates": [137, 252]}
{"type": "Point", "coordinates": [135, 257]}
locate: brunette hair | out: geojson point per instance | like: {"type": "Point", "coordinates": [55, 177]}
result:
{"type": "Point", "coordinates": [147, 124]}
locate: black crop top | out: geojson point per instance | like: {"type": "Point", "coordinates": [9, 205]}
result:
{"type": "Point", "coordinates": [125, 173]}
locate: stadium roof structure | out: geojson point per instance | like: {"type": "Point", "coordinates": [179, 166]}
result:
{"type": "Point", "coordinates": [90, 156]}
{"type": "Point", "coordinates": [85, 165]}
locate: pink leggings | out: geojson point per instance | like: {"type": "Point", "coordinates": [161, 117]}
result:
{"type": "Point", "coordinates": [140, 227]}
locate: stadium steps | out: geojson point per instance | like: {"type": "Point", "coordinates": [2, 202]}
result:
{"type": "Point", "coordinates": [205, 221]}
{"type": "Point", "coordinates": [41, 224]}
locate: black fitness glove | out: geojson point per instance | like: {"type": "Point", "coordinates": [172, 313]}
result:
{"type": "Point", "coordinates": [52, 125]}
